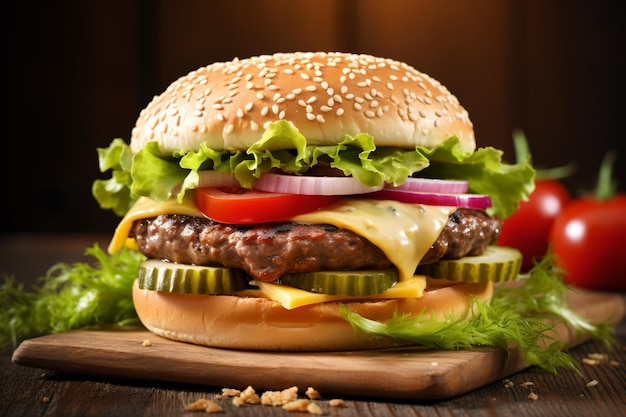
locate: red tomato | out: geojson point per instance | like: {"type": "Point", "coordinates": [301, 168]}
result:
{"type": "Point", "coordinates": [528, 228]}
{"type": "Point", "coordinates": [242, 206]}
{"type": "Point", "coordinates": [589, 238]}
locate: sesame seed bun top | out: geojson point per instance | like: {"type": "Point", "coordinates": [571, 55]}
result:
{"type": "Point", "coordinates": [227, 105]}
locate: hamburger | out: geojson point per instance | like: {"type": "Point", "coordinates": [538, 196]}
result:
{"type": "Point", "coordinates": [272, 193]}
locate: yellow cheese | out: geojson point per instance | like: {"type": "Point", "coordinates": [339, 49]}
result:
{"type": "Point", "coordinates": [404, 232]}
{"type": "Point", "coordinates": [145, 208]}
{"type": "Point", "coordinates": [291, 298]}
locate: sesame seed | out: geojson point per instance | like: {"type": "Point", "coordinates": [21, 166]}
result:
{"type": "Point", "coordinates": [339, 111]}
{"type": "Point", "coordinates": [311, 100]}
{"type": "Point", "coordinates": [264, 111]}
{"type": "Point", "coordinates": [240, 113]}
{"type": "Point", "coordinates": [249, 106]}
{"type": "Point", "coordinates": [310, 116]}
{"type": "Point", "coordinates": [320, 118]}
{"type": "Point", "coordinates": [254, 126]}
{"type": "Point", "coordinates": [229, 129]}
{"type": "Point", "coordinates": [310, 88]}
{"type": "Point", "coordinates": [325, 109]}
{"type": "Point", "coordinates": [260, 95]}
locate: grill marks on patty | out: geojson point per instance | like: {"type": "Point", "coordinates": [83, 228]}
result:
{"type": "Point", "coordinates": [268, 251]}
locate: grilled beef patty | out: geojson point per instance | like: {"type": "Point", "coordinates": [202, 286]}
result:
{"type": "Point", "coordinates": [267, 251]}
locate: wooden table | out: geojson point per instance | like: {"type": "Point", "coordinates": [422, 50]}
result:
{"type": "Point", "coordinates": [28, 391]}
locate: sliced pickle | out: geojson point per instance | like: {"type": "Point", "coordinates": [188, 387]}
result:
{"type": "Point", "coordinates": [343, 282]}
{"type": "Point", "coordinates": [497, 264]}
{"type": "Point", "coordinates": [158, 275]}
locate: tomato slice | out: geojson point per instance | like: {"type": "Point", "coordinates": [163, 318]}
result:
{"type": "Point", "coordinates": [235, 205]}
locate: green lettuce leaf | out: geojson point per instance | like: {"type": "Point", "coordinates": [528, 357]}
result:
{"type": "Point", "coordinates": [114, 193]}
{"type": "Point", "coordinates": [283, 147]}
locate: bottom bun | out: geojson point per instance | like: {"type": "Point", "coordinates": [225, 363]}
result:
{"type": "Point", "coordinates": [250, 323]}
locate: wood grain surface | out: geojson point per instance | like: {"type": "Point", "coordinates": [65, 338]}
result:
{"type": "Point", "coordinates": [411, 373]}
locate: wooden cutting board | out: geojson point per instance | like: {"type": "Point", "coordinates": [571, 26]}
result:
{"type": "Point", "coordinates": [401, 373]}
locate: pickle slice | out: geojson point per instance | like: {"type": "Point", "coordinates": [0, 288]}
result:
{"type": "Point", "coordinates": [158, 275]}
{"type": "Point", "coordinates": [497, 264]}
{"type": "Point", "coordinates": [366, 282]}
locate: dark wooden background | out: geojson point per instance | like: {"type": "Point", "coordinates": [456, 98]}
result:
{"type": "Point", "coordinates": [77, 73]}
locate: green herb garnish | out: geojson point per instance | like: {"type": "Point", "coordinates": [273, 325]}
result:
{"type": "Point", "coordinates": [521, 317]}
{"type": "Point", "coordinates": [71, 297]}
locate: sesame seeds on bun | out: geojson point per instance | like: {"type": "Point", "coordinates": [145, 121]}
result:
{"type": "Point", "coordinates": [227, 105]}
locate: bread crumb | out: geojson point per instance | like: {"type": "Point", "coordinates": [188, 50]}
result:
{"type": "Point", "coordinates": [533, 396]}
{"type": "Point", "coordinates": [313, 394]}
{"type": "Point", "coordinates": [287, 399]}
{"type": "Point", "coordinates": [508, 383]}
{"type": "Point", "coordinates": [204, 404]}
{"type": "Point", "coordinates": [249, 396]}
{"type": "Point", "coordinates": [314, 408]}
{"type": "Point", "coordinates": [146, 343]}
{"type": "Point", "coordinates": [278, 398]}
{"type": "Point", "coordinates": [229, 392]}
{"type": "Point", "coordinates": [600, 357]}
{"type": "Point", "coordinates": [299, 405]}
{"type": "Point", "coordinates": [592, 383]}
{"type": "Point", "coordinates": [46, 399]}
{"type": "Point", "coordinates": [337, 402]}
{"type": "Point", "coordinates": [614, 363]}
{"type": "Point", "coordinates": [527, 384]}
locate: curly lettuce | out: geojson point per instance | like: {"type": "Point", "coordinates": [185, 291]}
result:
{"type": "Point", "coordinates": [153, 174]}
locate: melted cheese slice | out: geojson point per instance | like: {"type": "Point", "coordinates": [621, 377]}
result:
{"type": "Point", "coordinates": [291, 298]}
{"type": "Point", "coordinates": [404, 232]}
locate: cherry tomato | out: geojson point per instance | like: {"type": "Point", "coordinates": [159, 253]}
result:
{"type": "Point", "coordinates": [589, 238]}
{"type": "Point", "coordinates": [243, 206]}
{"type": "Point", "coordinates": [528, 228]}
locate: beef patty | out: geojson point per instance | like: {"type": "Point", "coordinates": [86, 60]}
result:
{"type": "Point", "coordinates": [267, 251]}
